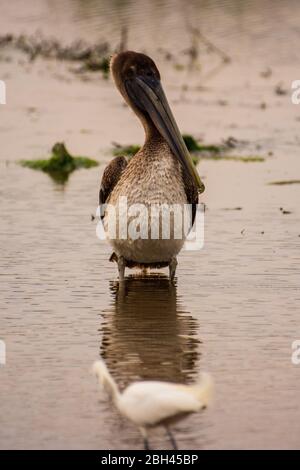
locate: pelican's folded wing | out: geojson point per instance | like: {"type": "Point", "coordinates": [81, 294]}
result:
{"type": "Point", "coordinates": [111, 176]}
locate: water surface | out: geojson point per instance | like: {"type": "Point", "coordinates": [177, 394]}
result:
{"type": "Point", "coordinates": [234, 310]}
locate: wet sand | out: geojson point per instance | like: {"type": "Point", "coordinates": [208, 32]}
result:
{"type": "Point", "coordinates": [235, 308]}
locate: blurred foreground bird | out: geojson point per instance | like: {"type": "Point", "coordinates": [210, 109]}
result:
{"type": "Point", "coordinates": [149, 404]}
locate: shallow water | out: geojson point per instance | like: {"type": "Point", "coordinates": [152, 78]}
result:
{"type": "Point", "coordinates": [235, 308]}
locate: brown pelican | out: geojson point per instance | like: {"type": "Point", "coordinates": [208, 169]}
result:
{"type": "Point", "coordinates": [160, 173]}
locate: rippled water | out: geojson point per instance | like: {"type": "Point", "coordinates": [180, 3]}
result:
{"type": "Point", "coordinates": [235, 308]}
{"type": "Point", "coordinates": [253, 26]}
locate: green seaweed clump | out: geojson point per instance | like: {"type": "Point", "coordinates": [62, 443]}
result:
{"type": "Point", "coordinates": [233, 158]}
{"type": "Point", "coordinates": [215, 152]}
{"type": "Point", "coordinates": [95, 64]}
{"type": "Point", "coordinates": [61, 164]}
{"type": "Point", "coordinates": [198, 151]}
{"type": "Point", "coordinates": [126, 151]}
{"type": "Point", "coordinates": [196, 157]}
{"type": "Point", "coordinates": [194, 146]}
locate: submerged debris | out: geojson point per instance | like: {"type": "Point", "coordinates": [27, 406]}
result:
{"type": "Point", "coordinates": [284, 182]}
{"type": "Point", "coordinates": [93, 57]}
{"type": "Point", "coordinates": [284, 212]}
{"type": "Point", "coordinates": [94, 64]}
{"type": "Point", "coordinates": [194, 146]}
{"type": "Point", "coordinates": [280, 90]}
{"type": "Point", "coordinates": [217, 151]}
{"type": "Point", "coordinates": [211, 47]}
{"type": "Point", "coordinates": [266, 73]}
{"type": "Point", "coordinates": [232, 142]}
{"type": "Point", "coordinates": [61, 164]}
{"type": "Point", "coordinates": [237, 158]}
{"type": "Point", "coordinates": [238, 208]}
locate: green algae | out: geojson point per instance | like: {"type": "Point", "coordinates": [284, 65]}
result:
{"type": "Point", "coordinates": [61, 164]}
{"type": "Point", "coordinates": [126, 150]}
{"type": "Point", "coordinates": [198, 151]}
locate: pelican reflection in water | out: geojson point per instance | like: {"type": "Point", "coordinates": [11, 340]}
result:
{"type": "Point", "coordinates": [147, 335]}
{"type": "Point", "coordinates": [160, 174]}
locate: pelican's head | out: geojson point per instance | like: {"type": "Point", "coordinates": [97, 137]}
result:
{"type": "Point", "coordinates": [138, 79]}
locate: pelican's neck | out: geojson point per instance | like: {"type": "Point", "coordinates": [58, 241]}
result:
{"type": "Point", "coordinates": [151, 133]}
{"type": "Point", "coordinates": [153, 140]}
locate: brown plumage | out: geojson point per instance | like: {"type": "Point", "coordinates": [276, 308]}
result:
{"type": "Point", "coordinates": [111, 176]}
{"type": "Point", "coordinates": [161, 172]}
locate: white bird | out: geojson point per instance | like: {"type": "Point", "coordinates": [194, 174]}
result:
{"type": "Point", "coordinates": [149, 404]}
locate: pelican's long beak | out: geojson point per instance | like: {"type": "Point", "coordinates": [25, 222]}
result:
{"type": "Point", "coordinates": [148, 95]}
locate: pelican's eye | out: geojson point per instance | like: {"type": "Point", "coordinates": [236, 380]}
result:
{"type": "Point", "coordinates": [131, 71]}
